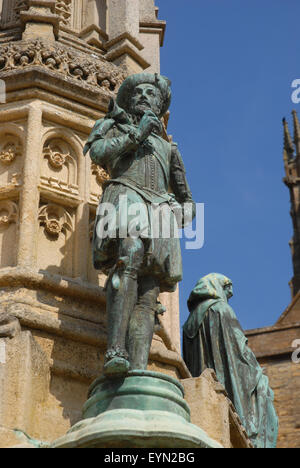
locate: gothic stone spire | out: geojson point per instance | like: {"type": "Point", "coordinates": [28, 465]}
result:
{"type": "Point", "coordinates": [292, 180]}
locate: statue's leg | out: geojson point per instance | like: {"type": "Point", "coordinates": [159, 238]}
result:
{"type": "Point", "coordinates": [141, 327]}
{"type": "Point", "coordinates": [121, 300]}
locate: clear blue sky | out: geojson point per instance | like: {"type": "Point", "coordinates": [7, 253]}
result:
{"type": "Point", "coordinates": [231, 64]}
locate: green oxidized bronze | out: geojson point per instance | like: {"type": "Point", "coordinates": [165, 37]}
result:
{"type": "Point", "coordinates": [142, 166]}
{"type": "Point", "coordinates": [142, 409]}
{"type": "Point", "coordinates": [213, 338]}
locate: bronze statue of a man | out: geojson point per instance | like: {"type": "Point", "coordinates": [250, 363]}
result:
{"type": "Point", "coordinates": [144, 168]}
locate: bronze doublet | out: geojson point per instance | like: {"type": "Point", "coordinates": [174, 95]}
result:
{"type": "Point", "coordinates": [148, 167]}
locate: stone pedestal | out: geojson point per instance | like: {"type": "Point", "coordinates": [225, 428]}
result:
{"type": "Point", "coordinates": [143, 410]}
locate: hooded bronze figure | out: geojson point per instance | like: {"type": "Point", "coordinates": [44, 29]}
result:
{"type": "Point", "coordinates": [214, 339]}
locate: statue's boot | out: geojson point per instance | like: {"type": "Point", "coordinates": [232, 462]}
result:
{"type": "Point", "coordinates": [121, 299]}
{"type": "Point", "coordinates": [121, 290]}
{"type": "Point", "coordinates": [141, 326]}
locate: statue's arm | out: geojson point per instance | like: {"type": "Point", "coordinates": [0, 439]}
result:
{"type": "Point", "coordinates": [106, 143]}
{"type": "Point", "coordinates": [178, 181]}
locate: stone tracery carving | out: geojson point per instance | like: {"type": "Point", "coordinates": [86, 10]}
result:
{"type": "Point", "coordinates": [70, 63]}
{"type": "Point", "coordinates": [55, 219]}
{"type": "Point", "coordinates": [56, 157]}
{"type": "Point", "coordinates": [9, 150]}
{"type": "Point", "coordinates": [51, 59]}
{"type": "Point", "coordinates": [11, 11]}
{"type": "Point", "coordinates": [63, 8]}
{"type": "Point", "coordinates": [78, 71]}
{"type": "Point", "coordinates": [16, 179]}
{"type": "Point", "coordinates": [60, 172]}
{"type": "Point", "coordinates": [24, 57]}
{"type": "Point", "coordinates": [8, 213]}
{"type": "Point", "coordinates": [20, 5]}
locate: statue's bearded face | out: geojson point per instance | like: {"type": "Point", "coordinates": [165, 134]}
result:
{"type": "Point", "coordinates": [146, 97]}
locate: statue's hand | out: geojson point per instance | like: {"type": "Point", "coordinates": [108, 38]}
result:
{"type": "Point", "coordinates": [148, 123]}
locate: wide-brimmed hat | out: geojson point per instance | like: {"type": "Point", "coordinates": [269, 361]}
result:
{"type": "Point", "coordinates": [161, 82]}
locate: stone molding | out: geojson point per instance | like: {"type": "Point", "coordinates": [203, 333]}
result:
{"type": "Point", "coordinates": [79, 330]}
{"type": "Point", "coordinates": [154, 27]}
{"type": "Point", "coordinates": [123, 45]}
{"type": "Point", "coordinates": [26, 277]}
{"type": "Point", "coordinates": [32, 16]}
{"type": "Point", "coordinates": [94, 37]}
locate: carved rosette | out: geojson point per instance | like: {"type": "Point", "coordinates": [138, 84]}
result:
{"type": "Point", "coordinates": [59, 171]}
{"type": "Point", "coordinates": [55, 219]}
{"type": "Point", "coordinates": [67, 62]}
{"type": "Point", "coordinates": [56, 158]}
{"type": "Point", "coordinates": [9, 151]}
{"type": "Point", "coordinates": [8, 213]}
{"type": "Point", "coordinates": [101, 175]}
